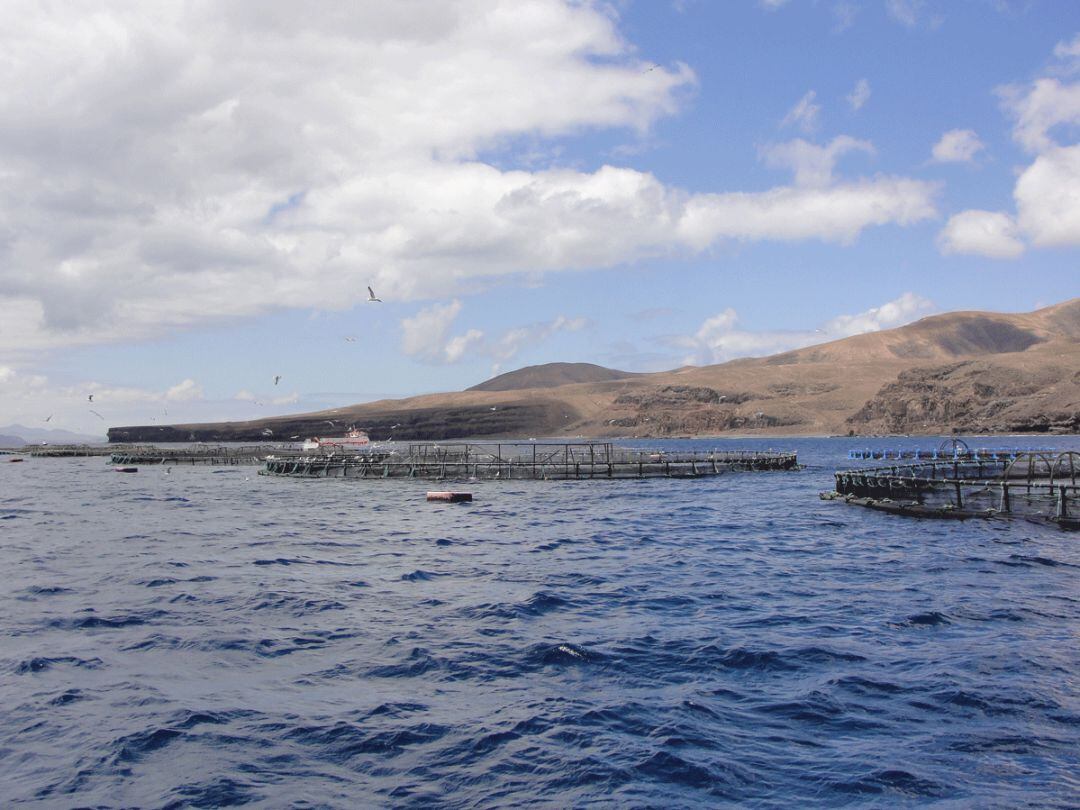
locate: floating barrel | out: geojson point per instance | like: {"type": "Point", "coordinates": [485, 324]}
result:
{"type": "Point", "coordinates": [450, 497]}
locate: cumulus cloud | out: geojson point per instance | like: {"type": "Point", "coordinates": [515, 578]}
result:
{"type": "Point", "coordinates": [905, 12]}
{"type": "Point", "coordinates": [27, 398]}
{"type": "Point", "coordinates": [805, 115]}
{"type": "Point", "coordinates": [860, 95]}
{"type": "Point", "coordinates": [1043, 105]}
{"type": "Point", "coordinates": [1047, 202]}
{"type": "Point", "coordinates": [983, 233]}
{"type": "Point", "coordinates": [1068, 50]}
{"type": "Point", "coordinates": [957, 146]}
{"type": "Point", "coordinates": [426, 336]}
{"type": "Point", "coordinates": [185, 162]}
{"type": "Point", "coordinates": [813, 165]}
{"type": "Point", "coordinates": [720, 338]}
{"type": "Point", "coordinates": [184, 391]}
{"type": "Point", "coordinates": [1048, 198]}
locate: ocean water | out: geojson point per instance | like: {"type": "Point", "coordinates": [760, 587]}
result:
{"type": "Point", "coordinates": [210, 638]}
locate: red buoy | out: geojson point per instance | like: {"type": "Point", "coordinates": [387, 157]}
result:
{"type": "Point", "coordinates": [451, 497]}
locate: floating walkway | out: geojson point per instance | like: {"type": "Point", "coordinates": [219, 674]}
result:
{"type": "Point", "coordinates": [1036, 485]}
{"type": "Point", "coordinates": [549, 461]}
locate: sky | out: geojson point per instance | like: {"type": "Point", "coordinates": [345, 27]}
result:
{"type": "Point", "coordinates": [195, 196]}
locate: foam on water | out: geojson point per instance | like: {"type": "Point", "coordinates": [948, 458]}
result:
{"type": "Point", "coordinates": [201, 640]}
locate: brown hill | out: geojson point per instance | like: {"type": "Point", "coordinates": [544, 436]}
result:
{"type": "Point", "coordinates": [551, 375]}
{"type": "Point", "coordinates": [963, 371]}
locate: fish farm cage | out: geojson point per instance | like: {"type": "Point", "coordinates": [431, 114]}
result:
{"type": "Point", "coordinates": [526, 460]}
{"type": "Point", "coordinates": [950, 450]}
{"type": "Point", "coordinates": [1035, 485]}
{"type": "Point", "coordinates": [208, 456]}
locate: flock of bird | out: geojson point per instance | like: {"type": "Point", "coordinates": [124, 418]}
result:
{"type": "Point", "coordinates": [371, 299]}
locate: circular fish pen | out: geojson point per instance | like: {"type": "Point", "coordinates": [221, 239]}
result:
{"type": "Point", "coordinates": [527, 460]}
{"type": "Point", "coordinates": [1035, 485]}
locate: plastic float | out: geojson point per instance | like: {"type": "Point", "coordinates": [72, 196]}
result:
{"type": "Point", "coordinates": [14, 460]}
{"type": "Point", "coordinates": [450, 497]}
{"type": "Point", "coordinates": [125, 469]}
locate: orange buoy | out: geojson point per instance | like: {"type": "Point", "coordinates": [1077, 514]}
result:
{"type": "Point", "coordinates": [451, 497]}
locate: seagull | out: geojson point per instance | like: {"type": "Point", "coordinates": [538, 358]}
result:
{"type": "Point", "coordinates": [90, 398]}
{"type": "Point", "coordinates": [350, 338]}
{"type": "Point", "coordinates": [371, 297]}
{"type": "Point", "coordinates": [267, 432]}
{"type": "Point", "coordinates": [277, 379]}
{"type": "Point", "coordinates": [392, 427]}
{"type": "Point", "coordinates": [651, 69]}
{"type": "Point", "coordinates": [49, 417]}
{"type": "Point", "coordinates": [98, 415]}
{"type": "Point", "coordinates": [494, 408]}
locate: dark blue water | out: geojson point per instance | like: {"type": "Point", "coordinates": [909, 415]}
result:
{"type": "Point", "coordinates": [210, 638]}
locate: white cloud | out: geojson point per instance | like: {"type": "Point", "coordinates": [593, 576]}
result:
{"type": "Point", "coordinates": [905, 309]}
{"type": "Point", "coordinates": [859, 95]}
{"type": "Point", "coordinates": [844, 14]}
{"type": "Point", "coordinates": [28, 398]}
{"type": "Point", "coordinates": [957, 146]}
{"type": "Point", "coordinates": [836, 213]}
{"type": "Point", "coordinates": [1068, 50]}
{"type": "Point", "coordinates": [177, 163]}
{"type": "Point", "coordinates": [813, 165]}
{"type": "Point", "coordinates": [426, 336]}
{"type": "Point", "coordinates": [720, 338]}
{"type": "Point", "coordinates": [185, 391]}
{"type": "Point", "coordinates": [983, 233]}
{"type": "Point", "coordinates": [905, 12]}
{"type": "Point", "coordinates": [1048, 198]}
{"type": "Point", "coordinates": [1042, 106]}
{"type": "Point", "coordinates": [1047, 193]}
{"type": "Point", "coordinates": [772, 5]}
{"type": "Point", "coordinates": [806, 115]}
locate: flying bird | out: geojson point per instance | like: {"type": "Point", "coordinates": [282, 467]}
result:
{"type": "Point", "coordinates": [277, 379]}
{"type": "Point", "coordinates": [98, 415]}
{"type": "Point", "coordinates": [49, 417]}
{"type": "Point", "coordinates": [90, 398]}
{"type": "Point", "coordinates": [350, 338]}
{"type": "Point", "coordinates": [330, 423]}
{"type": "Point", "coordinates": [371, 297]}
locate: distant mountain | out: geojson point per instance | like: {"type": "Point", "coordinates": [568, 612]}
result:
{"type": "Point", "coordinates": [551, 375]}
{"type": "Point", "coordinates": [30, 435]}
{"type": "Point", "coordinates": [11, 441]}
{"type": "Point", "coordinates": [972, 372]}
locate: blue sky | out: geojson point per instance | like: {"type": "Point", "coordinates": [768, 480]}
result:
{"type": "Point", "coordinates": [197, 199]}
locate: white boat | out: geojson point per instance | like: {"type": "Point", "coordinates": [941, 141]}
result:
{"type": "Point", "coordinates": [352, 440]}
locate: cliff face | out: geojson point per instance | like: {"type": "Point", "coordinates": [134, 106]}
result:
{"type": "Point", "coordinates": [975, 397]}
{"type": "Point", "coordinates": [967, 371]}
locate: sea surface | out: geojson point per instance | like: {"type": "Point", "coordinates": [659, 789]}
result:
{"type": "Point", "coordinates": [210, 638]}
